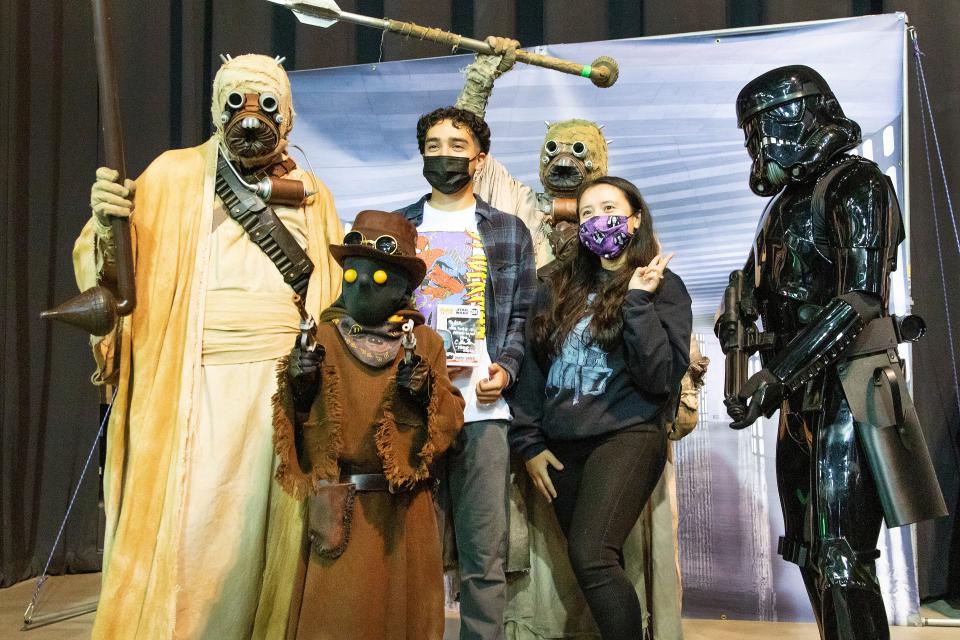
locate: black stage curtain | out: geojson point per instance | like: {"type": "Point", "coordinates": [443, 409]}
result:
{"type": "Point", "coordinates": [935, 392]}
{"type": "Point", "coordinates": [167, 54]}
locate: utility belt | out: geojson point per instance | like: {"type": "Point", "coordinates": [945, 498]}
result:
{"type": "Point", "coordinates": [330, 509]}
{"type": "Point", "coordinates": [263, 226]}
{"type": "Point", "coordinates": [367, 481]}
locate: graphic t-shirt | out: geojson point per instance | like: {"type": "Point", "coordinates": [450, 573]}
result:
{"type": "Point", "coordinates": [581, 368]}
{"type": "Point", "coordinates": [453, 299]}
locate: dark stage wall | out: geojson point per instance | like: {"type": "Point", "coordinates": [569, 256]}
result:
{"type": "Point", "coordinates": [168, 53]}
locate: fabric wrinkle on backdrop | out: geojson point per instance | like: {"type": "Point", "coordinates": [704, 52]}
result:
{"type": "Point", "coordinates": [671, 119]}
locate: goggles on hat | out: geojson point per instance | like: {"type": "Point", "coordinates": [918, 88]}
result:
{"type": "Point", "coordinates": [384, 244]}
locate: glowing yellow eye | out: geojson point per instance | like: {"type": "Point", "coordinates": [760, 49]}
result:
{"type": "Point", "coordinates": [379, 276]}
{"type": "Point", "coordinates": [350, 275]}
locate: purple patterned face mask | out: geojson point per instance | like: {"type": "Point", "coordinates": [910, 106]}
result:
{"type": "Point", "coordinates": [606, 236]}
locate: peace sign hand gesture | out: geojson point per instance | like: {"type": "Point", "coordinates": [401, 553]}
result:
{"type": "Point", "coordinates": [648, 278]}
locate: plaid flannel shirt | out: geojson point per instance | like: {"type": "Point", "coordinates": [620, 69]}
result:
{"type": "Point", "coordinates": [511, 281]}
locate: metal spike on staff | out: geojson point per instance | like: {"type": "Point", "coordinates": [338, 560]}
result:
{"type": "Point", "coordinates": [602, 72]}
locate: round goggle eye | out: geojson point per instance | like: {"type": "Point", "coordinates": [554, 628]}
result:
{"type": "Point", "coordinates": [579, 149]}
{"type": "Point", "coordinates": [551, 147]}
{"type": "Point", "coordinates": [350, 276]}
{"type": "Point", "coordinates": [386, 244]}
{"type": "Point", "coordinates": [354, 237]}
{"type": "Point", "coordinates": [235, 100]}
{"type": "Point", "coordinates": [380, 276]}
{"type": "Point", "coordinates": [268, 102]}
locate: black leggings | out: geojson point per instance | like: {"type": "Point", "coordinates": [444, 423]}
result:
{"type": "Point", "coordinates": [605, 483]}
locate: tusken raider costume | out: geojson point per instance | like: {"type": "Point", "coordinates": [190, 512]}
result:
{"type": "Point", "coordinates": [850, 450]}
{"type": "Point", "coordinates": [223, 235]}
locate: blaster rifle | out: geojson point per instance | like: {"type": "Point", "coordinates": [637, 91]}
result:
{"type": "Point", "coordinates": [736, 328]}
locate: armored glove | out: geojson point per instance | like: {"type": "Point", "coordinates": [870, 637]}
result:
{"type": "Point", "coordinates": [109, 198]}
{"type": "Point", "coordinates": [413, 379]}
{"type": "Point", "coordinates": [761, 395]}
{"type": "Point", "coordinates": [303, 372]}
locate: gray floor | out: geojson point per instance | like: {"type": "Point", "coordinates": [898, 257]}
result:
{"type": "Point", "coordinates": [63, 592]}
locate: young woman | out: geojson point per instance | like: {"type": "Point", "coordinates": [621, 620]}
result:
{"type": "Point", "coordinates": [607, 346]}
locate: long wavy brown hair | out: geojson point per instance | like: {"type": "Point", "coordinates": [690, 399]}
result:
{"type": "Point", "coordinates": [572, 285]}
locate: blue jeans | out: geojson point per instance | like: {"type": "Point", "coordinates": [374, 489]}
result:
{"type": "Point", "coordinates": [475, 488]}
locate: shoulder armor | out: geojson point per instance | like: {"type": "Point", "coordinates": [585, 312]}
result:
{"type": "Point", "coordinates": [858, 205]}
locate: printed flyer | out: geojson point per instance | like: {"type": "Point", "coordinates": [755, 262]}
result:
{"type": "Point", "coordinates": [457, 325]}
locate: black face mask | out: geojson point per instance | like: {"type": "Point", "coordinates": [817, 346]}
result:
{"type": "Point", "coordinates": [368, 302]}
{"type": "Point", "coordinates": [447, 174]}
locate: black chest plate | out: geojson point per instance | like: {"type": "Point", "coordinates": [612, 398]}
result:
{"type": "Point", "coordinates": [794, 270]}
{"type": "Point", "coordinates": [793, 252]}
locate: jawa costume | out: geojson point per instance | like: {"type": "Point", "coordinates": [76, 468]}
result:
{"type": "Point", "coordinates": [193, 515]}
{"type": "Point", "coordinates": [358, 420]}
{"type": "Point", "coordinates": [543, 599]}
{"type": "Point", "coordinates": [850, 452]}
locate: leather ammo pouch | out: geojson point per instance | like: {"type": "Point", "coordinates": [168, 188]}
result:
{"type": "Point", "coordinates": [329, 512]}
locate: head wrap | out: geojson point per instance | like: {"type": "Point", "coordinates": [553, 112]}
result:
{"type": "Point", "coordinates": [253, 73]}
{"type": "Point", "coordinates": [566, 133]}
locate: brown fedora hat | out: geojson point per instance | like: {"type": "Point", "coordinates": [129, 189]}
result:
{"type": "Point", "coordinates": [383, 236]}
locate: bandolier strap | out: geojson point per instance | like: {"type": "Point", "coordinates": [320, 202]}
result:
{"type": "Point", "coordinates": [264, 227]}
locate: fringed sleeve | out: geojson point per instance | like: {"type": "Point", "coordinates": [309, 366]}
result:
{"type": "Point", "coordinates": [445, 412]}
{"type": "Point", "coordinates": [321, 439]}
{"type": "Point", "coordinates": [443, 417]}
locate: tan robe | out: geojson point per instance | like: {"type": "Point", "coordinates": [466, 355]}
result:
{"type": "Point", "coordinates": [543, 599]}
{"type": "Point", "coordinates": [498, 188]}
{"type": "Point", "coordinates": [197, 534]}
{"type": "Point", "coordinates": [388, 583]}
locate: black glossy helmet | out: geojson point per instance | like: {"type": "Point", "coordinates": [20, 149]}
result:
{"type": "Point", "coordinates": [792, 124]}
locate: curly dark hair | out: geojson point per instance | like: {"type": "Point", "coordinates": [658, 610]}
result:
{"type": "Point", "coordinates": [460, 118]}
{"type": "Point", "coordinates": [572, 285]}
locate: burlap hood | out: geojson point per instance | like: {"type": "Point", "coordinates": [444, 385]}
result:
{"type": "Point", "coordinates": [568, 132]}
{"type": "Point", "coordinates": [253, 73]}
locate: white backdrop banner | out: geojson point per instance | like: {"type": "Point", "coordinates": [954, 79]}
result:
{"type": "Point", "coordinates": [671, 119]}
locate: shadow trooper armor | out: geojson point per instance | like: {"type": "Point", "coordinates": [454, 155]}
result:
{"type": "Point", "coordinates": [850, 450]}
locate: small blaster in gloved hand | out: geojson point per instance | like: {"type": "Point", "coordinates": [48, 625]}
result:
{"type": "Point", "coordinates": [408, 341]}
{"type": "Point", "coordinates": [413, 379]}
{"type": "Point", "coordinates": [303, 372]}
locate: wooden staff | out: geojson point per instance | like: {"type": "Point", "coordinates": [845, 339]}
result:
{"type": "Point", "coordinates": [602, 72]}
{"type": "Point", "coordinates": [96, 309]}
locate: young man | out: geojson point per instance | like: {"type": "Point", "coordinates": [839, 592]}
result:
{"type": "Point", "coordinates": [480, 268]}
